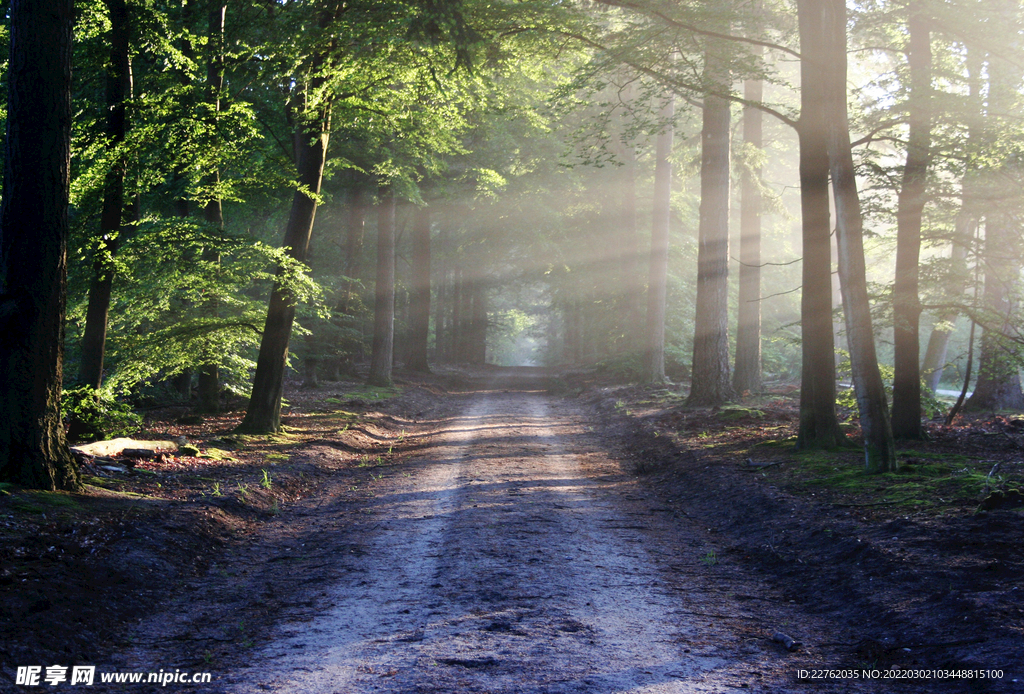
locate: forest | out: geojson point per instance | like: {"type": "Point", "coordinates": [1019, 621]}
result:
{"type": "Point", "coordinates": [234, 214]}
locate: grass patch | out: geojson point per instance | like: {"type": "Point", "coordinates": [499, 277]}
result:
{"type": "Point", "coordinates": [925, 480]}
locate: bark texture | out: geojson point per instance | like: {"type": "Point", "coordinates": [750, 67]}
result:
{"type": "Point", "coordinates": [382, 354]}
{"type": "Point", "coordinates": [906, 388]}
{"type": "Point", "coordinates": [33, 246]}
{"type": "Point", "coordinates": [657, 276]}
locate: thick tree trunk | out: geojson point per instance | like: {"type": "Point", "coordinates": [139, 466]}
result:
{"type": "Point", "coordinates": [419, 304]}
{"type": "Point", "coordinates": [208, 387]}
{"type": "Point", "coordinates": [879, 450]}
{"type": "Point", "coordinates": [906, 387]}
{"type": "Point", "coordinates": [456, 326]}
{"type": "Point", "coordinates": [710, 383]}
{"type": "Point", "coordinates": [33, 246]}
{"type": "Point", "coordinates": [657, 276]}
{"type": "Point", "coordinates": [118, 90]}
{"type": "Point", "coordinates": [264, 413]}
{"type": "Point", "coordinates": [382, 354]}
{"type": "Point", "coordinates": [819, 426]}
{"type": "Point", "coordinates": [746, 377]}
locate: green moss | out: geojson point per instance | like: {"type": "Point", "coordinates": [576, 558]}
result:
{"type": "Point", "coordinates": [215, 454]}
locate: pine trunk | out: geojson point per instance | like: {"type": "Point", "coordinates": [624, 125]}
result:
{"type": "Point", "coordinates": [819, 426]}
{"type": "Point", "coordinates": [879, 450]}
{"type": "Point", "coordinates": [382, 354]}
{"type": "Point", "coordinates": [118, 90]}
{"type": "Point", "coordinates": [657, 277]}
{"type": "Point", "coordinates": [710, 383]}
{"type": "Point", "coordinates": [419, 304]}
{"type": "Point", "coordinates": [906, 387]}
{"type": "Point", "coordinates": [33, 245]}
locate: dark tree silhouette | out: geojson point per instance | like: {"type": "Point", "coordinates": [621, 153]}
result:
{"type": "Point", "coordinates": [33, 246]}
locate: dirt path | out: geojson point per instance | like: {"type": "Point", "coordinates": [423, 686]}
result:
{"type": "Point", "coordinates": [512, 554]}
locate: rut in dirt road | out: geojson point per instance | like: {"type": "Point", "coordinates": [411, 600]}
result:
{"type": "Point", "coordinates": [500, 563]}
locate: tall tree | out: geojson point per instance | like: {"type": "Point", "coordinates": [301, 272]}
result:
{"type": "Point", "coordinates": [998, 386]}
{"type": "Point", "coordinates": [746, 376]}
{"type": "Point", "coordinates": [657, 277]}
{"type": "Point", "coordinates": [209, 373]}
{"type": "Point", "coordinates": [309, 109]}
{"type": "Point", "coordinates": [419, 308]}
{"type": "Point", "coordinates": [118, 91]}
{"type": "Point", "coordinates": [382, 354]}
{"type": "Point", "coordinates": [879, 450]}
{"type": "Point", "coordinates": [819, 425]}
{"type": "Point", "coordinates": [906, 387]}
{"type": "Point", "coordinates": [33, 246]}
{"type": "Point", "coordinates": [710, 384]}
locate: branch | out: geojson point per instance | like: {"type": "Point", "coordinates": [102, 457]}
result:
{"type": "Point", "coordinates": [675, 85]}
{"type": "Point", "coordinates": [696, 30]}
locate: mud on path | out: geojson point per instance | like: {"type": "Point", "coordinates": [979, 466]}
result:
{"type": "Point", "coordinates": [511, 552]}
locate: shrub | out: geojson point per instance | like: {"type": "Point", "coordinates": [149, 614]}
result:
{"type": "Point", "coordinates": [91, 415]}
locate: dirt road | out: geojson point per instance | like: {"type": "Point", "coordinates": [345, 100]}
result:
{"type": "Point", "coordinates": [510, 553]}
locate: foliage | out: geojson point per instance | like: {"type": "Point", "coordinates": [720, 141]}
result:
{"type": "Point", "coordinates": [91, 415]}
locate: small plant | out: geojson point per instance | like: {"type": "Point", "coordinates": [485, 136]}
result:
{"type": "Point", "coordinates": [710, 559]}
{"type": "Point", "coordinates": [216, 489]}
{"type": "Point", "coordinates": [275, 509]}
{"type": "Point", "coordinates": [265, 482]}
{"type": "Point", "coordinates": [243, 491]}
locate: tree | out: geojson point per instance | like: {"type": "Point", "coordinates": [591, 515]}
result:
{"type": "Point", "coordinates": [382, 354]}
{"type": "Point", "coordinates": [710, 385]}
{"type": "Point", "coordinates": [880, 452]}
{"type": "Point", "coordinates": [419, 308]}
{"type": "Point", "coordinates": [654, 362]}
{"type": "Point", "coordinates": [118, 91]}
{"type": "Point", "coordinates": [819, 426]}
{"type": "Point", "coordinates": [906, 388]}
{"type": "Point", "coordinates": [310, 112]}
{"type": "Point", "coordinates": [747, 374]}
{"type": "Point", "coordinates": [33, 246]}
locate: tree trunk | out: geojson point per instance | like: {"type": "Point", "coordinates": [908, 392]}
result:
{"type": "Point", "coordinates": [208, 386]}
{"type": "Point", "coordinates": [118, 90]}
{"type": "Point", "coordinates": [879, 450]}
{"type": "Point", "coordinates": [966, 226]}
{"type": "Point", "coordinates": [419, 308]}
{"type": "Point", "coordinates": [478, 324]}
{"type": "Point", "coordinates": [657, 278]}
{"type": "Point", "coordinates": [906, 386]}
{"type": "Point", "coordinates": [33, 246]}
{"type": "Point", "coordinates": [264, 413]}
{"type": "Point", "coordinates": [819, 426]}
{"type": "Point", "coordinates": [382, 354]}
{"type": "Point", "coordinates": [998, 386]}
{"type": "Point", "coordinates": [440, 327]}
{"type": "Point", "coordinates": [747, 375]}
{"type": "Point", "coordinates": [710, 382]}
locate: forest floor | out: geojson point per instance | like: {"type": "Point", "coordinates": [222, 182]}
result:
{"type": "Point", "coordinates": [504, 530]}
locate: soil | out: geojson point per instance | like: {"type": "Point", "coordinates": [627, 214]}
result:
{"type": "Point", "coordinates": [500, 530]}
